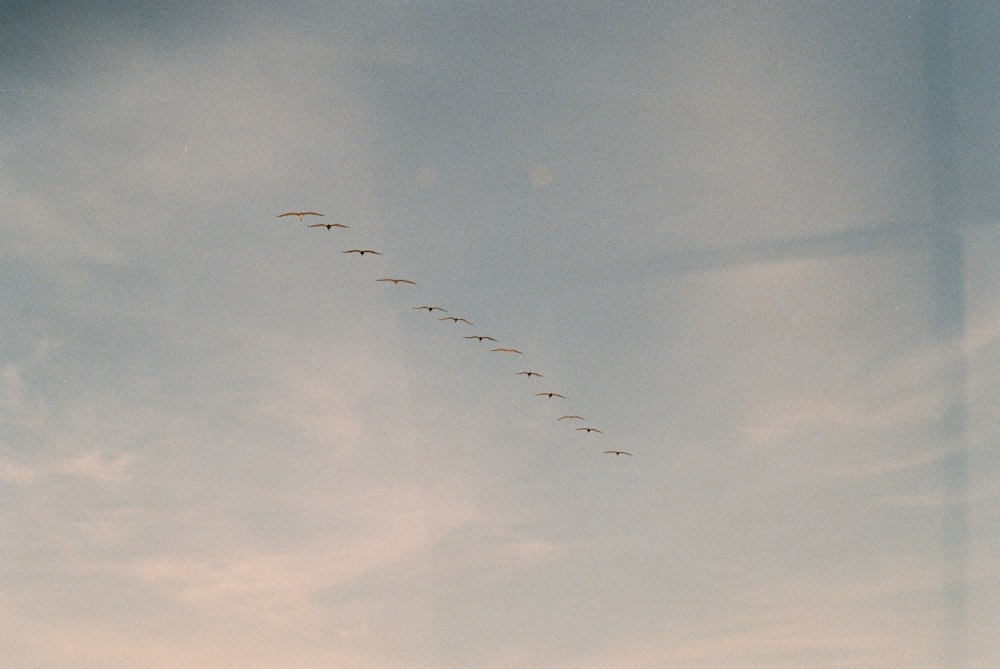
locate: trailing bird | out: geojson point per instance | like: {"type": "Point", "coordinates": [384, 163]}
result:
{"type": "Point", "coordinates": [618, 452]}
{"type": "Point", "coordinates": [300, 214]}
{"type": "Point", "coordinates": [327, 225]}
{"type": "Point", "coordinates": [590, 429]}
{"type": "Point", "coordinates": [453, 319]}
{"type": "Point", "coordinates": [363, 251]}
{"type": "Point", "coordinates": [506, 350]}
{"type": "Point", "coordinates": [480, 337]}
{"type": "Point", "coordinates": [551, 395]}
{"type": "Point", "coordinates": [530, 374]}
{"type": "Point", "coordinates": [396, 282]}
{"type": "Point", "coordinates": [432, 309]}
{"type": "Point", "coordinates": [570, 418]}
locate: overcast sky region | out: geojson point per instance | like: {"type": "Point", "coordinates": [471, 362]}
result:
{"type": "Point", "coordinates": [755, 245]}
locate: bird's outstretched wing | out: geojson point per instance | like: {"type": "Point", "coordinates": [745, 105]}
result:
{"type": "Point", "coordinates": [551, 395]}
{"type": "Point", "coordinates": [328, 225]}
{"type": "Point", "coordinates": [506, 350]}
{"type": "Point", "coordinates": [396, 282]}
{"type": "Point", "coordinates": [432, 309]}
{"type": "Point", "coordinates": [529, 374]}
{"type": "Point", "coordinates": [480, 337]}
{"type": "Point", "coordinates": [589, 430]}
{"type": "Point", "coordinates": [618, 452]}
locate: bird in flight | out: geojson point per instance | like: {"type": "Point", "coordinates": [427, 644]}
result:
{"type": "Point", "coordinates": [506, 350]}
{"type": "Point", "coordinates": [618, 452]}
{"type": "Point", "coordinates": [590, 429]}
{"type": "Point", "coordinates": [530, 374]}
{"type": "Point", "coordinates": [326, 225]}
{"type": "Point", "coordinates": [432, 309]}
{"type": "Point", "coordinates": [570, 418]}
{"type": "Point", "coordinates": [480, 337]}
{"type": "Point", "coordinates": [363, 251]}
{"type": "Point", "coordinates": [551, 395]}
{"type": "Point", "coordinates": [396, 282]}
{"type": "Point", "coordinates": [453, 319]}
{"type": "Point", "coordinates": [300, 214]}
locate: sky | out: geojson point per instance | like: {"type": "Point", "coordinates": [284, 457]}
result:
{"type": "Point", "coordinates": [754, 244]}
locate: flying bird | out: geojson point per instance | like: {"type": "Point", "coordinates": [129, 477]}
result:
{"type": "Point", "coordinates": [480, 337]}
{"type": "Point", "coordinates": [453, 319]}
{"type": "Point", "coordinates": [530, 374]}
{"type": "Point", "coordinates": [396, 282]}
{"type": "Point", "coordinates": [551, 395]}
{"type": "Point", "coordinates": [327, 225]}
{"type": "Point", "coordinates": [432, 309]}
{"type": "Point", "coordinates": [300, 214]}
{"type": "Point", "coordinates": [506, 350]}
{"type": "Point", "coordinates": [570, 418]}
{"type": "Point", "coordinates": [363, 251]}
{"type": "Point", "coordinates": [590, 429]}
{"type": "Point", "coordinates": [618, 452]}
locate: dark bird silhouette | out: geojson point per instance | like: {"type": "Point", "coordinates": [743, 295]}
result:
{"type": "Point", "coordinates": [327, 225]}
{"type": "Point", "coordinates": [506, 350]}
{"type": "Point", "coordinates": [530, 374]}
{"type": "Point", "coordinates": [396, 282]}
{"type": "Point", "coordinates": [363, 251]}
{"type": "Point", "coordinates": [551, 395]}
{"type": "Point", "coordinates": [570, 418]}
{"type": "Point", "coordinates": [618, 452]}
{"type": "Point", "coordinates": [453, 319]}
{"type": "Point", "coordinates": [300, 214]}
{"type": "Point", "coordinates": [480, 337]}
{"type": "Point", "coordinates": [432, 309]}
{"type": "Point", "coordinates": [590, 429]}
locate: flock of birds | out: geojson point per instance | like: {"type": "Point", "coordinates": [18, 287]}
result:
{"type": "Point", "coordinates": [570, 418]}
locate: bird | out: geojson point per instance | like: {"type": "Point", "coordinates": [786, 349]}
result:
{"type": "Point", "coordinates": [570, 418]}
{"type": "Point", "coordinates": [396, 282]}
{"type": "Point", "coordinates": [300, 214]}
{"type": "Point", "coordinates": [506, 350]}
{"type": "Point", "coordinates": [551, 395]}
{"type": "Point", "coordinates": [453, 319]}
{"type": "Point", "coordinates": [327, 225]}
{"type": "Point", "coordinates": [590, 429]}
{"type": "Point", "coordinates": [530, 374]}
{"type": "Point", "coordinates": [480, 337]}
{"type": "Point", "coordinates": [618, 452]}
{"type": "Point", "coordinates": [363, 251]}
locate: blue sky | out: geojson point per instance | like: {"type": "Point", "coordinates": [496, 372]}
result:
{"type": "Point", "coordinates": [732, 235]}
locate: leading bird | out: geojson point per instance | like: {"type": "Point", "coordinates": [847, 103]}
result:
{"type": "Point", "coordinates": [300, 214]}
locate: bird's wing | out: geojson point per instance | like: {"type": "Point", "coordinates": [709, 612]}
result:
{"type": "Point", "coordinates": [310, 213]}
{"type": "Point", "coordinates": [320, 225]}
{"type": "Point", "coordinates": [289, 213]}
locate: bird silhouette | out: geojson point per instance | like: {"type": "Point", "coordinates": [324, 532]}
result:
{"type": "Point", "coordinates": [570, 418]}
{"type": "Point", "coordinates": [618, 452]}
{"type": "Point", "coordinates": [327, 225]}
{"type": "Point", "coordinates": [530, 374]}
{"type": "Point", "coordinates": [453, 319]}
{"type": "Point", "coordinates": [551, 395]}
{"type": "Point", "coordinates": [432, 309]}
{"type": "Point", "coordinates": [396, 282]}
{"type": "Point", "coordinates": [300, 214]}
{"type": "Point", "coordinates": [480, 337]}
{"type": "Point", "coordinates": [590, 429]}
{"type": "Point", "coordinates": [363, 251]}
{"type": "Point", "coordinates": [506, 350]}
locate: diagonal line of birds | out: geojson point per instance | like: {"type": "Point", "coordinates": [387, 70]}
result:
{"type": "Point", "coordinates": [480, 338]}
